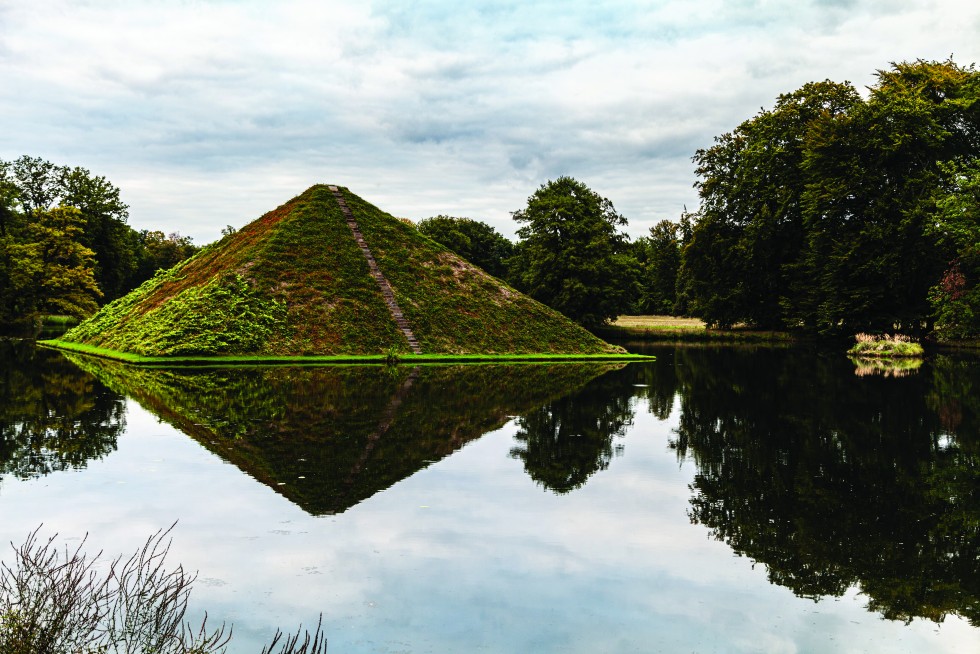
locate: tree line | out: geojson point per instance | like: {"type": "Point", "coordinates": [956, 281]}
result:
{"type": "Point", "coordinates": [572, 254]}
{"type": "Point", "coordinates": [65, 246]}
{"type": "Point", "coordinates": [831, 213]}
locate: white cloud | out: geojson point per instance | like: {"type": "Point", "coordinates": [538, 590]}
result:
{"type": "Point", "coordinates": [210, 113]}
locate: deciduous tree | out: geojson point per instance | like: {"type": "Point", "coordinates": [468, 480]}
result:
{"type": "Point", "coordinates": [956, 298]}
{"type": "Point", "coordinates": [571, 255]}
{"type": "Point", "coordinates": [157, 251]}
{"type": "Point", "coordinates": [749, 228]}
{"type": "Point", "coordinates": [53, 273]}
{"type": "Point", "coordinates": [817, 214]}
{"type": "Point", "coordinates": [37, 183]}
{"type": "Point", "coordinates": [659, 256]}
{"type": "Point", "coordinates": [106, 231]}
{"type": "Point", "coordinates": [475, 241]}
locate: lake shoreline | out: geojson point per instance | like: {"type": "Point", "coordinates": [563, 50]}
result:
{"type": "Point", "coordinates": [339, 359]}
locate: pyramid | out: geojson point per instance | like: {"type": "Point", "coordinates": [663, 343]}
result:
{"type": "Point", "coordinates": [328, 274]}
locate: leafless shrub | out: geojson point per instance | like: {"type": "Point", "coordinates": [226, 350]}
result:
{"type": "Point", "coordinates": [310, 644]}
{"type": "Point", "coordinates": [49, 603]}
{"type": "Point", "coordinates": [149, 603]}
{"type": "Point", "coordinates": [55, 601]}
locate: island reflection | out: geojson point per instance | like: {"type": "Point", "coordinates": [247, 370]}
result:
{"type": "Point", "coordinates": [829, 479]}
{"type": "Point", "coordinates": [327, 438]}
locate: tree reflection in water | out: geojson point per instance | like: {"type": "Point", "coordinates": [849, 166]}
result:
{"type": "Point", "coordinates": [834, 480]}
{"type": "Point", "coordinates": [566, 441]}
{"type": "Point", "coordinates": [53, 416]}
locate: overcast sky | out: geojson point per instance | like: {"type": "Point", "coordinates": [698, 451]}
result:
{"type": "Point", "coordinates": [210, 113]}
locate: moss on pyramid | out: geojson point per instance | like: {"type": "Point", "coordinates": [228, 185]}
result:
{"type": "Point", "coordinates": [295, 282]}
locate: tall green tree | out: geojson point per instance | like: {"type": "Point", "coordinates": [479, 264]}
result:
{"type": "Point", "coordinates": [571, 254]}
{"type": "Point", "coordinates": [52, 272]}
{"type": "Point", "coordinates": [816, 214]}
{"type": "Point", "coordinates": [106, 231]}
{"type": "Point", "coordinates": [121, 257]}
{"type": "Point", "coordinates": [37, 183]}
{"type": "Point", "coordinates": [33, 185]}
{"type": "Point", "coordinates": [158, 251]}
{"type": "Point", "coordinates": [749, 228]}
{"type": "Point", "coordinates": [8, 197]}
{"type": "Point", "coordinates": [869, 259]}
{"type": "Point", "coordinates": [955, 298]}
{"type": "Point", "coordinates": [659, 256]}
{"type": "Point", "coordinates": [475, 241]}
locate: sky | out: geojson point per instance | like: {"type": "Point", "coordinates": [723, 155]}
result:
{"type": "Point", "coordinates": [207, 113]}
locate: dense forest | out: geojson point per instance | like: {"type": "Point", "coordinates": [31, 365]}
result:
{"type": "Point", "coordinates": [831, 213]}
{"type": "Point", "coordinates": [834, 212]}
{"type": "Point", "coordinates": [65, 246]}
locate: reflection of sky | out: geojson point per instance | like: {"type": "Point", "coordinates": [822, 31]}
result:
{"type": "Point", "coordinates": [466, 555]}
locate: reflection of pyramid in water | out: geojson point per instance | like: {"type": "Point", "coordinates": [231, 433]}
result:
{"type": "Point", "coordinates": [328, 438]}
{"type": "Point", "coordinates": [329, 274]}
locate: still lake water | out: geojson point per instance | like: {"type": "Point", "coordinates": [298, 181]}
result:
{"type": "Point", "coordinates": [720, 499]}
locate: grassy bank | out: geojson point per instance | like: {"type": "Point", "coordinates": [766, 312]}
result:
{"type": "Point", "coordinates": [673, 328]}
{"type": "Point", "coordinates": [337, 359]}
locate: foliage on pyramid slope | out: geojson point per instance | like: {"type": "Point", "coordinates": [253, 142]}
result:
{"type": "Point", "coordinates": [294, 282]}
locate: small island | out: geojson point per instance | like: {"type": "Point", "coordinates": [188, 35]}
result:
{"type": "Point", "coordinates": [329, 278]}
{"type": "Point", "coordinates": [885, 346]}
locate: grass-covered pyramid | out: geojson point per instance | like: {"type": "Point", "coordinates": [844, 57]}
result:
{"type": "Point", "coordinates": [296, 283]}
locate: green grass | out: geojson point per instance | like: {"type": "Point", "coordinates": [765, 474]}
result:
{"type": "Point", "coordinates": [294, 283]}
{"type": "Point", "coordinates": [333, 359]}
{"type": "Point", "coordinates": [455, 307]}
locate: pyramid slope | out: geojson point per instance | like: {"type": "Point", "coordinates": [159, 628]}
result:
{"type": "Point", "coordinates": [295, 282]}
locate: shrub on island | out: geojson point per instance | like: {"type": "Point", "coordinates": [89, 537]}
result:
{"type": "Point", "coordinates": [896, 345]}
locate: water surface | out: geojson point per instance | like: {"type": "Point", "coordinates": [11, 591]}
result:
{"type": "Point", "coordinates": [718, 500]}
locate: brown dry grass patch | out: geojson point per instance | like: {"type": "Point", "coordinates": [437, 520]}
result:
{"type": "Point", "coordinates": [659, 322]}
